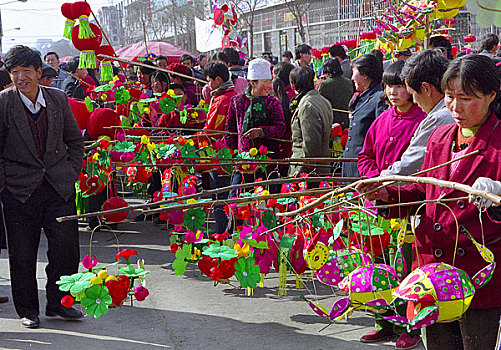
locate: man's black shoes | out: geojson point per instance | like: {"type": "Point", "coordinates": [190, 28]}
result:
{"type": "Point", "coordinates": [30, 321]}
{"type": "Point", "coordinates": [4, 299]}
{"type": "Point", "coordinates": [65, 313]}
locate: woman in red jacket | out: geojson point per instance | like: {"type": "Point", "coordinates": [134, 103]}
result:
{"type": "Point", "coordinates": [471, 86]}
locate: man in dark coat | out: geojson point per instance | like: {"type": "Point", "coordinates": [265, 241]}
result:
{"type": "Point", "coordinates": [71, 85]}
{"type": "Point", "coordinates": [41, 150]}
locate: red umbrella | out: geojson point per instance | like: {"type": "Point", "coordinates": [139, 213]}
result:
{"type": "Point", "coordinates": [172, 52]}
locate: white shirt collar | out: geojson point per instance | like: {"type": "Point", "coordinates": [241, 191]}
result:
{"type": "Point", "coordinates": [33, 107]}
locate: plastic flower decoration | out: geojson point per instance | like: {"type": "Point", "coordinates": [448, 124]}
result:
{"type": "Point", "coordinates": [96, 301]}
{"type": "Point", "coordinates": [247, 273]}
{"type": "Point", "coordinates": [75, 283]}
{"type": "Point", "coordinates": [89, 262]}
{"type": "Point", "coordinates": [126, 253]}
{"type": "Point", "coordinates": [220, 252]}
{"type": "Point", "coordinates": [180, 263]}
{"type": "Point", "coordinates": [194, 218]}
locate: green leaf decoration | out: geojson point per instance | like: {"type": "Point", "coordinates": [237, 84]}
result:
{"type": "Point", "coordinates": [131, 272]}
{"type": "Point", "coordinates": [96, 301]}
{"type": "Point", "coordinates": [166, 150]}
{"type": "Point", "coordinates": [148, 100]}
{"type": "Point", "coordinates": [269, 219]}
{"type": "Point", "coordinates": [168, 104]}
{"type": "Point", "coordinates": [220, 252]}
{"type": "Point", "coordinates": [188, 151]}
{"type": "Point", "coordinates": [194, 219]}
{"type": "Point", "coordinates": [285, 201]}
{"type": "Point", "coordinates": [88, 104]}
{"type": "Point", "coordinates": [260, 245]}
{"type": "Point", "coordinates": [183, 116]}
{"type": "Point", "coordinates": [180, 263]}
{"type": "Point", "coordinates": [102, 88]}
{"type": "Point", "coordinates": [122, 96]}
{"type": "Point", "coordinates": [125, 146]}
{"type": "Point", "coordinates": [247, 273]}
{"type": "Point", "coordinates": [317, 220]}
{"type": "Point", "coordinates": [75, 283]}
{"type": "Point", "coordinates": [338, 229]}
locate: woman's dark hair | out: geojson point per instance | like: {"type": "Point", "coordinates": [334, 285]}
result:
{"type": "Point", "coordinates": [281, 73]}
{"type": "Point", "coordinates": [145, 70]}
{"type": "Point", "coordinates": [221, 56]}
{"type": "Point", "coordinates": [441, 41]}
{"type": "Point", "coordinates": [489, 42]}
{"type": "Point", "coordinates": [162, 77]}
{"type": "Point", "coordinates": [216, 69]}
{"type": "Point", "coordinates": [332, 67]}
{"type": "Point", "coordinates": [302, 49]}
{"type": "Point", "coordinates": [476, 74]}
{"type": "Point", "coordinates": [161, 57]}
{"type": "Point", "coordinates": [379, 55]}
{"type": "Point", "coordinates": [337, 50]}
{"type": "Point", "coordinates": [302, 79]}
{"type": "Point", "coordinates": [22, 56]}
{"type": "Point", "coordinates": [233, 56]}
{"type": "Point", "coordinates": [391, 76]}
{"type": "Point", "coordinates": [287, 54]}
{"type": "Point", "coordinates": [186, 57]}
{"type": "Point", "coordinates": [73, 64]}
{"type": "Point", "coordinates": [426, 66]}
{"type": "Point", "coordinates": [369, 66]}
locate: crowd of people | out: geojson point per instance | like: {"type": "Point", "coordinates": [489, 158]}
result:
{"type": "Point", "coordinates": [415, 111]}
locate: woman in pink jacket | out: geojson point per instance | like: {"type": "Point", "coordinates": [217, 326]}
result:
{"type": "Point", "coordinates": [471, 86]}
{"type": "Point", "coordinates": [390, 134]}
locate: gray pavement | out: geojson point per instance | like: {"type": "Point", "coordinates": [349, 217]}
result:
{"type": "Point", "coordinates": [186, 312]}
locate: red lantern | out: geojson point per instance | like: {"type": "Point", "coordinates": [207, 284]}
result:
{"type": "Point", "coordinates": [106, 67]}
{"type": "Point", "coordinates": [87, 45]}
{"type": "Point", "coordinates": [82, 10]}
{"type": "Point", "coordinates": [66, 10]}
{"type": "Point", "coordinates": [469, 38]}
{"type": "Point", "coordinates": [101, 118]}
{"type": "Point", "coordinates": [115, 203]}
{"type": "Point", "coordinates": [80, 112]}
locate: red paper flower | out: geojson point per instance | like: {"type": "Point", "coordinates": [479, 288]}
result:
{"type": "Point", "coordinates": [125, 253]}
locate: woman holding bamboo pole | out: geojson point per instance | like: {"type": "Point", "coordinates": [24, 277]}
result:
{"type": "Point", "coordinates": [471, 86]}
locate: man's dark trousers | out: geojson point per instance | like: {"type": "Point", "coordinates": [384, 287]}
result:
{"type": "Point", "coordinates": [24, 222]}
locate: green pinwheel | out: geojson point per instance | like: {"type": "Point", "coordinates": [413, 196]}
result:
{"type": "Point", "coordinates": [75, 283]}
{"type": "Point", "coordinates": [97, 300]}
{"type": "Point", "coordinates": [247, 273]}
{"type": "Point", "coordinates": [220, 252]}
{"type": "Point", "coordinates": [125, 146]}
{"type": "Point", "coordinates": [194, 218]}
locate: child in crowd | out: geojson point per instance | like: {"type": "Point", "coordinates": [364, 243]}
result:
{"type": "Point", "coordinates": [385, 142]}
{"type": "Point", "coordinates": [390, 134]}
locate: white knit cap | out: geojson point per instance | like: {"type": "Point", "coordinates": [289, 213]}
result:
{"type": "Point", "coordinates": [259, 69]}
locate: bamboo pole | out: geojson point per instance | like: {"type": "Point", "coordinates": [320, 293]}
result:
{"type": "Point", "coordinates": [208, 193]}
{"type": "Point", "coordinates": [397, 178]}
{"type": "Point", "coordinates": [118, 59]}
{"type": "Point", "coordinates": [393, 182]}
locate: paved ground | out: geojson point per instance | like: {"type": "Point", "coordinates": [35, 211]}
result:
{"type": "Point", "coordinates": [185, 312]}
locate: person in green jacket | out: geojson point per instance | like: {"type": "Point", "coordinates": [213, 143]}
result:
{"type": "Point", "coordinates": [337, 89]}
{"type": "Point", "coordinates": [311, 121]}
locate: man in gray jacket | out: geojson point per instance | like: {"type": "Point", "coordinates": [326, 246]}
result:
{"type": "Point", "coordinates": [41, 150]}
{"type": "Point", "coordinates": [422, 74]}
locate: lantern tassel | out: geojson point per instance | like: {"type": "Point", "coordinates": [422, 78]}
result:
{"type": "Point", "coordinates": [87, 59]}
{"type": "Point", "coordinates": [84, 30]}
{"type": "Point", "coordinates": [68, 26]}
{"type": "Point", "coordinates": [282, 271]}
{"type": "Point", "coordinates": [106, 71]}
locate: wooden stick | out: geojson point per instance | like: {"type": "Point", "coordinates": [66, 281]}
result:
{"type": "Point", "coordinates": [393, 182]}
{"type": "Point", "coordinates": [205, 193]}
{"type": "Point", "coordinates": [265, 161]}
{"type": "Point", "coordinates": [111, 58]}
{"type": "Point", "coordinates": [397, 178]}
{"type": "Point", "coordinates": [106, 37]}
